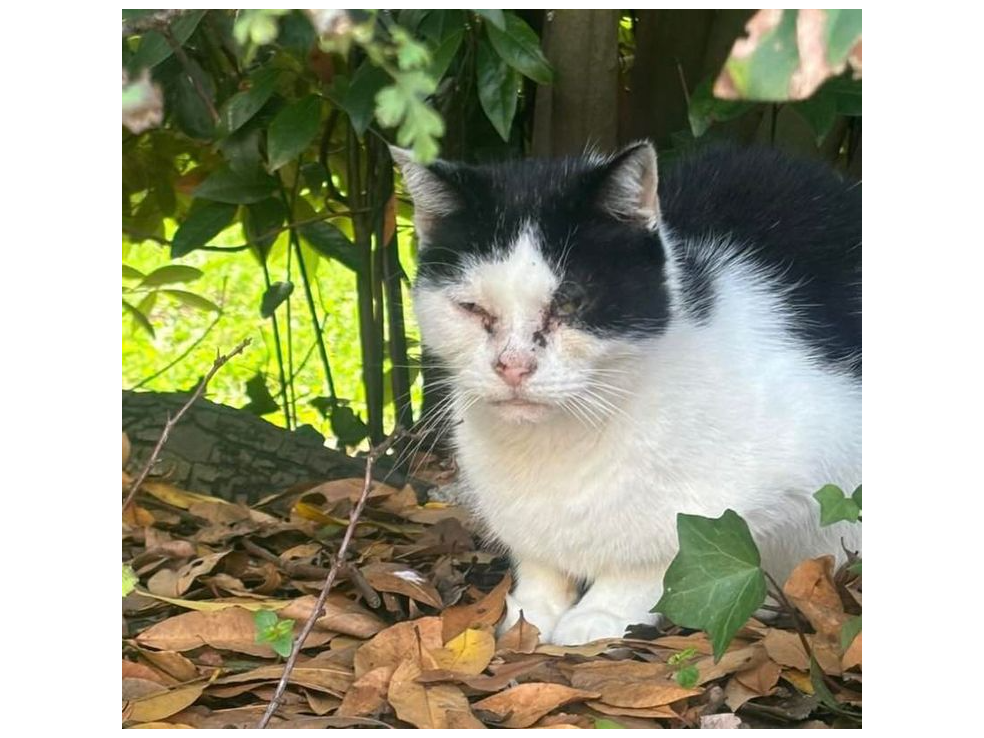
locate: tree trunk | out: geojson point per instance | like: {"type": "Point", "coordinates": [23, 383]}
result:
{"type": "Point", "coordinates": [581, 108]}
{"type": "Point", "coordinates": [229, 453]}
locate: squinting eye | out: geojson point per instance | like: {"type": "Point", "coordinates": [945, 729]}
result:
{"type": "Point", "coordinates": [566, 306]}
{"type": "Point", "coordinates": [471, 307]}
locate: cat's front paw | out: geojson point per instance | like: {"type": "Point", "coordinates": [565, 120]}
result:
{"type": "Point", "coordinates": [584, 626]}
{"type": "Point", "coordinates": [544, 615]}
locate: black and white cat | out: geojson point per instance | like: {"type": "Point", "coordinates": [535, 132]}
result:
{"type": "Point", "coordinates": [617, 357]}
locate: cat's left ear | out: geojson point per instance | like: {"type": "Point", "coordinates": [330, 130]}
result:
{"type": "Point", "coordinates": [434, 197]}
{"type": "Point", "coordinates": [628, 186]}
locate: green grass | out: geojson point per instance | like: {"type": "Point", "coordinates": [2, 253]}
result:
{"type": "Point", "coordinates": [235, 281]}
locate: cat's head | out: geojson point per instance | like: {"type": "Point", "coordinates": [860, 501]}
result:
{"type": "Point", "coordinates": [538, 280]}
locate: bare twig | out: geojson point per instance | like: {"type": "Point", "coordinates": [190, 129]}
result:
{"type": "Point", "coordinates": [151, 22]}
{"type": "Point", "coordinates": [374, 454]}
{"type": "Point", "coordinates": [793, 612]}
{"type": "Point", "coordinates": [171, 422]}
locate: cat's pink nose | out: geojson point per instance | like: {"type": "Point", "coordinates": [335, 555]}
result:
{"type": "Point", "coordinates": [514, 369]}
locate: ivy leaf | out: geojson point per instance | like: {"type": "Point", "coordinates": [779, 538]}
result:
{"type": "Point", "coordinates": [715, 582]}
{"type": "Point", "coordinates": [202, 225]}
{"type": "Point", "coordinates": [835, 506]}
{"type": "Point", "coordinates": [856, 496]}
{"type": "Point", "coordinates": [274, 296]}
{"type": "Point", "coordinates": [293, 130]}
{"type": "Point", "coordinates": [498, 89]}
{"type": "Point", "coordinates": [171, 274]}
{"type": "Point", "coordinates": [519, 47]}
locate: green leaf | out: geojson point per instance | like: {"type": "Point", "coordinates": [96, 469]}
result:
{"type": "Point", "coordinates": [347, 426]}
{"type": "Point", "coordinates": [183, 100]}
{"type": "Point", "coordinates": [225, 185]}
{"type": "Point", "coordinates": [154, 48]}
{"type": "Point", "coordinates": [687, 677]}
{"type": "Point", "coordinates": [130, 273]}
{"type": "Point", "coordinates": [856, 496]}
{"type": "Point", "coordinates": [357, 96]}
{"type": "Point", "coordinates": [824, 694]}
{"type": "Point", "coordinates": [606, 723]}
{"type": "Point", "coordinates": [139, 318]}
{"type": "Point", "coordinates": [241, 107]}
{"type": "Point", "coordinates": [130, 579]}
{"type": "Point", "coordinates": [171, 274]}
{"type": "Point", "coordinates": [263, 221]}
{"type": "Point", "coordinates": [715, 582]}
{"type": "Point", "coordinates": [496, 17]}
{"type": "Point", "coordinates": [264, 620]}
{"type": "Point", "coordinates": [293, 130]}
{"type": "Point", "coordinates": [444, 54]}
{"type": "Point", "coordinates": [242, 149]}
{"type": "Point", "coordinates": [763, 71]}
{"type": "Point", "coordinates": [328, 241]}
{"type": "Point", "coordinates": [846, 93]}
{"type": "Point", "coordinates": [192, 300]}
{"type": "Point", "coordinates": [835, 506]}
{"type": "Point", "coordinates": [843, 31]}
{"type": "Point", "coordinates": [849, 631]}
{"type": "Point", "coordinates": [271, 629]}
{"type": "Point", "coordinates": [498, 89]}
{"type": "Point", "coordinates": [519, 47]}
{"type": "Point", "coordinates": [203, 223]}
{"type": "Point", "coordinates": [274, 297]}
{"type": "Point", "coordinates": [261, 402]}
{"type": "Point", "coordinates": [705, 109]}
{"type": "Point", "coordinates": [820, 112]}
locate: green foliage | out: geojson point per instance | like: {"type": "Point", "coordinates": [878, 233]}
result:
{"type": "Point", "coordinates": [606, 723]}
{"type": "Point", "coordinates": [276, 294]}
{"type": "Point", "coordinates": [263, 121]}
{"type": "Point", "coordinates": [130, 579]}
{"type": "Point", "coordinates": [715, 582]}
{"type": "Point", "coordinates": [850, 630]}
{"type": "Point", "coordinates": [835, 506]}
{"type": "Point", "coordinates": [684, 673]}
{"type": "Point", "coordinates": [498, 89]}
{"type": "Point", "coordinates": [277, 632]}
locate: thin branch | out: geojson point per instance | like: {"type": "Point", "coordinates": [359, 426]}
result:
{"type": "Point", "coordinates": [793, 612]}
{"type": "Point", "coordinates": [374, 454]}
{"type": "Point", "coordinates": [151, 22]}
{"type": "Point", "coordinates": [171, 422]}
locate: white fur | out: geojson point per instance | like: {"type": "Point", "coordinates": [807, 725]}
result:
{"type": "Point", "coordinates": [734, 414]}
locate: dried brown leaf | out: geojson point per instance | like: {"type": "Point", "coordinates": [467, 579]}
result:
{"type": "Point", "coordinates": [320, 675]}
{"type": "Point", "coordinates": [433, 706]}
{"type": "Point", "coordinates": [342, 615]}
{"type": "Point", "coordinates": [852, 657]}
{"type": "Point", "coordinates": [390, 647]}
{"type": "Point", "coordinates": [401, 579]}
{"type": "Point", "coordinates": [597, 675]}
{"type": "Point", "coordinates": [645, 693]}
{"type": "Point", "coordinates": [761, 678]}
{"type": "Point", "coordinates": [484, 613]}
{"type": "Point", "coordinates": [173, 664]}
{"type": "Point", "coordinates": [367, 695]}
{"type": "Point", "coordinates": [135, 688]}
{"type": "Point", "coordinates": [126, 448]}
{"type": "Point", "coordinates": [784, 647]}
{"type": "Point", "coordinates": [159, 706]}
{"type": "Point", "coordinates": [135, 670]}
{"type": "Point", "coordinates": [522, 637]}
{"type": "Point", "coordinates": [732, 661]}
{"type": "Point", "coordinates": [521, 706]}
{"type": "Point", "coordinates": [811, 589]}
{"type": "Point", "coordinates": [642, 712]}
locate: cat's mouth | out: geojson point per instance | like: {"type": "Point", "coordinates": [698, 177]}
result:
{"type": "Point", "coordinates": [518, 402]}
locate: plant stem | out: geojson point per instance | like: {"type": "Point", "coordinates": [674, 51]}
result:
{"type": "Point", "coordinates": [280, 354]}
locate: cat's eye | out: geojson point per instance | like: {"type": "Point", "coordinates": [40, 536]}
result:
{"type": "Point", "coordinates": [471, 307]}
{"type": "Point", "coordinates": [567, 304]}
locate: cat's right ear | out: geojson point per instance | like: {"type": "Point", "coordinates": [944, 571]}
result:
{"type": "Point", "coordinates": [433, 196]}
